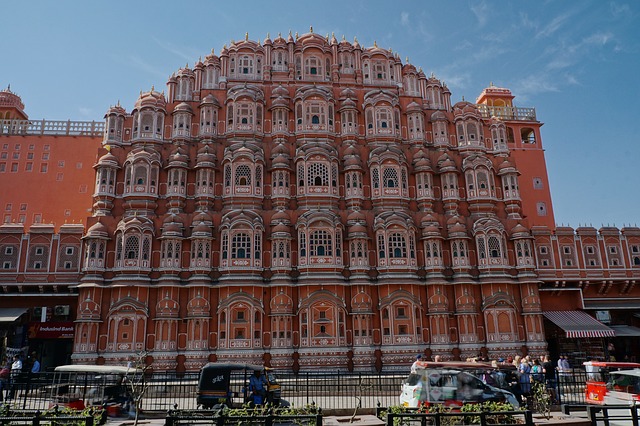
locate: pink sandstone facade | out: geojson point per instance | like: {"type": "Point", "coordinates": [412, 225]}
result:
{"type": "Point", "coordinates": [315, 204]}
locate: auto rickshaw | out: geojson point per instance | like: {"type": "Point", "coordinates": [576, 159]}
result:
{"type": "Point", "coordinates": [612, 382]}
{"type": "Point", "coordinates": [228, 384]}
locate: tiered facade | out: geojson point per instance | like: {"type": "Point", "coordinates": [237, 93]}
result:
{"type": "Point", "coordinates": [311, 204]}
{"type": "Point", "coordinates": [302, 202]}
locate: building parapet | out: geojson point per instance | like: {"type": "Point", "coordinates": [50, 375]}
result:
{"type": "Point", "coordinates": [508, 112]}
{"type": "Point", "coordinates": [51, 127]}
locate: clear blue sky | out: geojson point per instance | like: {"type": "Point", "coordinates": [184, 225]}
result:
{"type": "Point", "coordinates": [577, 62]}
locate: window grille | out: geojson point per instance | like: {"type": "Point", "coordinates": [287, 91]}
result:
{"type": "Point", "coordinates": [397, 246]}
{"type": "Point", "coordinates": [320, 243]}
{"type": "Point", "coordinates": [318, 175]}
{"type": "Point", "coordinates": [243, 175]}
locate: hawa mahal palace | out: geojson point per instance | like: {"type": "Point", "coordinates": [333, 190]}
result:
{"type": "Point", "coordinates": [306, 203]}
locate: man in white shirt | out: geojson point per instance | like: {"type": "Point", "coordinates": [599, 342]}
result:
{"type": "Point", "coordinates": [16, 369]}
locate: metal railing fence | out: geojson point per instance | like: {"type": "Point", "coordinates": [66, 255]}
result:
{"type": "Point", "coordinates": [328, 390]}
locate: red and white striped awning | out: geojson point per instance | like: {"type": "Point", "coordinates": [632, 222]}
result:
{"type": "Point", "coordinates": [579, 324]}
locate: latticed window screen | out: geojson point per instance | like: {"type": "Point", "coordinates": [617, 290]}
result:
{"type": "Point", "coordinates": [390, 178]}
{"type": "Point", "coordinates": [243, 175]}
{"type": "Point", "coordinates": [225, 245]}
{"type": "Point", "coordinates": [119, 247]}
{"type": "Point", "coordinates": [381, 250]}
{"type": "Point", "coordinates": [482, 249]}
{"type": "Point", "coordinates": [93, 249]}
{"type": "Point", "coordinates": [245, 114]}
{"type": "Point", "coordinates": [375, 177]}
{"type": "Point", "coordinates": [227, 176]}
{"type": "Point", "coordinates": [146, 248]}
{"type": "Point", "coordinates": [495, 249]}
{"type": "Point", "coordinates": [301, 174]}
{"type": "Point", "coordinates": [167, 253]}
{"type": "Point", "coordinates": [404, 178]}
{"type": "Point", "coordinates": [397, 246]}
{"type": "Point", "coordinates": [483, 181]}
{"type": "Point", "coordinates": [68, 257]}
{"type": "Point", "coordinates": [320, 243]}
{"type": "Point", "coordinates": [241, 246]}
{"type": "Point", "coordinates": [8, 256]}
{"type": "Point", "coordinates": [281, 250]}
{"type": "Point", "coordinates": [334, 175]}
{"type": "Point", "coordinates": [303, 244]}
{"type": "Point", "coordinates": [257, 244]}
{"type": "Point", "coordinates": [412, 248]}
{"type": "Point", "coordinates": [317, 175]}
{"type": "Point", "coordinates": [258, 176]}
{"type": "Point", "coordinates": [383, 118]}
{"type": "Point", "coordinates": [132, 247]}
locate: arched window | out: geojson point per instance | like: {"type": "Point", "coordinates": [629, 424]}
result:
{"type": "Point", "coordinates": [397, 246]}
{"type": "Point", "coordinates": [243, 175]}
{"type": "Point", "coordinates": [320, 243]}
{"type": "Point", "coordinates": [132, 247]}
{"type": "Point", "coordinates": [317, 174]}
{"type": "Point", "coordinates": [241, 246]}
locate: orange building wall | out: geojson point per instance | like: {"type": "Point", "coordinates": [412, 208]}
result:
{"type": "Point", "coordinates": [58, 188]}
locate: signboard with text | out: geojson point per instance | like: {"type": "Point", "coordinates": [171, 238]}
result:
{"type": "Point", "coordinates": [51, 330]}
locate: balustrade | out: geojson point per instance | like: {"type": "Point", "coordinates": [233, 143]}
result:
{"type": "Point", "coordinates": [49, 127]}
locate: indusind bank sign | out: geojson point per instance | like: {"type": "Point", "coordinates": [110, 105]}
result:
{"type": "Point", "coordinates": [51, 330]}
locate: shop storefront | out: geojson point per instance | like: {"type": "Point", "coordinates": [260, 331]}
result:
{"type": "Point", "coordinates": [52, 341]}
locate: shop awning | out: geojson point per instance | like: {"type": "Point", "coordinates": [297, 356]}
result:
{"type": "Point", "coordinates": [626, 330]}
{"type": "Point", "coordinates": [11, 314]}
{"type": "Point", "coordinates": [579, 324]}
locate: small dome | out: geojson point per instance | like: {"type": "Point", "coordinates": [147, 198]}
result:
{"type": "Point", "coordinates": [8, 98]}
{"type": "Point", "coordinates": [357, 229]}
{"type": "Point", "coordinates": [280, 216]}
{"type": "Point", "coordinates": [97, 230]}
{"type": "Point", "coordinates": [347, 93]}
{"type": "Point", "coordinates": [205, 157]}
{"type": "Point", "coordinates": [414, 107]}
{"type": "Point", "coordinates": [211, 59]}
{"type": "Point", "coordinates": [279, 102]}
{"type": "Point", "coordinates": [520, 231]}
{"type": "Point", "coordinates": [279, 40]}
{"type": "Point", "coordinates": [202, 217]}
{"type": "Point", "coordinates": [116, 110]}
{"type": "Point", "coordinates": [280, 161]}
{"type": "Point", "coordinates": [201, 230]}
{"type": "Point", "coordinates": [465, 108]}
{"type": "Point", "coordinates": [446, 164]}
{"type": "Point", "coordinates": [280, 91]}
{"type": "Point", "coordinates": [185, 72]}
{"type": "Point", "coordinates": [356, 216]}
{"type": "Point", "coordinates": [210, 100]}
{"type": "Point", "coordinates": [151, 99]}
{"type": "Point", "coordinates": [409, 69]}
{"type": "Point", "coordinates": [172, 229]}
{"type": "Point", "coordinates": [108, 160]}
{"type": "Point", "coordinates": [178, 159]}
{"type": "Point", "coordinates": [506, 167]}
{"type": "Point", "coordinates": [183, 107]}
{"type": "Point", "coordinates": [281, 228]}
{"type": "Point", "coordinates": [438, 116]}
{"type": "Point", "coordinates": [456, 227]}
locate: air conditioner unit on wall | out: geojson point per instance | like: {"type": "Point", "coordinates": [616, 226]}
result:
{"type": "Point", "coordinates": [61, 310]}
